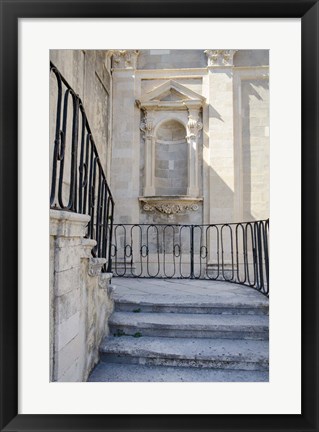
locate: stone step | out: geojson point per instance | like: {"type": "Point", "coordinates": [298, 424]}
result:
{"type": "Point", "coordinates": [161, 304]}
{"type": "Point", "coordinates": [190, 325]}
{"type": "Point", "coordinates": [226, 354]}
{"type": "Point", "coordinates": [114, 372]}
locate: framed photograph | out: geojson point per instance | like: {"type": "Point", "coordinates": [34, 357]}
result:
{"type": "Point", "coordinates": [170, 283]}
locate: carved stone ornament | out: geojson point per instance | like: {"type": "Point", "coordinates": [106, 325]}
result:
{"type": "Point", "coordinates": [220, 57]}
{"type": "Point", "coordinates": [170, 206]}
{"type": "Point", "coordinates": [147, 125]}
{"type": "Point", "coordinates": [95, 266]}
{"type": "Point", "coordinates": [125, 59]}
{"type": "Point", "coordinates": [194, 126]}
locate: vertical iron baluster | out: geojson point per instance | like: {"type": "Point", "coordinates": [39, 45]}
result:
{"type": "Point", "coordinates": [98, 209]}
{"type": "Point", "coordinates": [110, 231]}
{"type": "Point", "coordinates": [63, 142]}
{"type": "Point", "coordinates": [81, 165]}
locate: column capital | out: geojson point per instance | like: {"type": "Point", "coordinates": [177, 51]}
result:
{"type": "Point", "coordinates": [147, 126]}
{"type": "Point", "coordinates": [220, 58]}
{"type": "Point", "coordinates": [124, 59]}
{"type": "Point", "coordinates": [194, 125]}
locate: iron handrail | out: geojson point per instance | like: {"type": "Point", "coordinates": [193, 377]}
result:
{"type": "Point", "coordinates": [233, 252]}
{"type": "Point", "coordinates": [84, 189]}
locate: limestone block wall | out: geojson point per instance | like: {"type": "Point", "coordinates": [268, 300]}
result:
{"type": "Point", "coordinates": [171, 159]}
{"type": "Point", "coordinates": [80, 301]}
{"type": "Point", "coordinates": [171, 59]}
{"type": "Point", "coordinates": [255, 148]}
{"type": "Point", "coordinates": [251, 143]}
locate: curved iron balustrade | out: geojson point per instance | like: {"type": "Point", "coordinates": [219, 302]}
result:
{"type": "Point", "coordinates": [78, 181]}
{"type": "Point", "coordinates": [234, 252]}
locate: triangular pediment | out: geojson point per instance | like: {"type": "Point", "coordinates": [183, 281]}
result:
{"type": "Point", "coordinates": [172, 91]}
{"type": "Point", "coordinates": [172, 95]}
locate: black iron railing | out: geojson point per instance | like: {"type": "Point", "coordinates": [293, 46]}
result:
{"type": "Point", "coordinates": [235, 252]}
{"type": "Point", "coordinates": [78, 181]}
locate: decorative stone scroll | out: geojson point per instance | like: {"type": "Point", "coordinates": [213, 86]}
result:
{"type": "Point", "coordinates": [170, 206]}
{"type": "Point", "coordinates": [147, 125]}
{"type": "Point", "coordinates": [95, 266]}
{"type": "Point", "coordinates": [125, 59]}
{"type": "Point", "coordinates": [194, 126]}
{"type": "Point", "coordinates": [220, 57]}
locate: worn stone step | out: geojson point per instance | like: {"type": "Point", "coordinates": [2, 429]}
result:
{"type": "Point", "coordinates": [187, 296]}
{"type": "Point", "coordinates": [160, 304]}
{"type": "Point", "coordinates": [115, 372]}
{"type": "Point", "coordinates": [163, 351]}
{"type": "Point", "coordinates": [190, 325]}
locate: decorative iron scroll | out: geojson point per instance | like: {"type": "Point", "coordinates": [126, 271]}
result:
{"type": "Point", "coordinates": [236, 252]}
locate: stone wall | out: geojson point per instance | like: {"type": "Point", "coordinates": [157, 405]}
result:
{"type": "Point", "coordinates": [171, 59]}
{"type": "Point", "coordinates": [80, 301]}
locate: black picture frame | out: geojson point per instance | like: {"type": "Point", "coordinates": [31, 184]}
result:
{"type": "Point", "coordinates": [11, 11]}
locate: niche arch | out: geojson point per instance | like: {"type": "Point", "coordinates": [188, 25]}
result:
{"type": "Point", "coordinates": [171, 158]}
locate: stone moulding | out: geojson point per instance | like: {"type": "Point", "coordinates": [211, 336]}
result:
{"type": "Point", "coordinates": [170, 205]}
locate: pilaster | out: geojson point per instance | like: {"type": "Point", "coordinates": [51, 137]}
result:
{"type": "Point", "coordinates": [221, 135]}
{"type": "Point", "coordinates": [126, 155]}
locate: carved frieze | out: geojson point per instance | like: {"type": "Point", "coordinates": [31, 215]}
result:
{"type": "Point", "coordinates": [220, 57]}
{"type": "Point", "coordinates": [170, 206]}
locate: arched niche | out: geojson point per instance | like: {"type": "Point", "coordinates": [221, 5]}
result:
{"type": "Point", "coordinates": [171, 159]}
{"type": "Point", "coordinates": [171, 117]}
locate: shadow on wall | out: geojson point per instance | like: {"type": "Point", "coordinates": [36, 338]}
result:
{"type": "Point", "coordinates": [254, 121]}
{"type": "Point", "coordinates": [213, 113]}
{"type": "Point", "coordinates": [221, 199]}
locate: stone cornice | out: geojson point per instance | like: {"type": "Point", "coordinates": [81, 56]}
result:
{"type": "Point", "coordinates": [68, 224]}
{"type": "Point", "coordinates": [169, 105]}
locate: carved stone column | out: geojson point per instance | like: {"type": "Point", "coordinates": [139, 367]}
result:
{"type": "Point", "coordinates": [147, 126]}
{"type": "Point", "coordinates": [194, 127]}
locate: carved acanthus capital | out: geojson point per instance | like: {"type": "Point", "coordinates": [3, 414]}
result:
{"type": "Point", "coordinates": [125, 59]}
{"type": "Point", "coordinates": [147, 126]}
{"type": "Point", "coordinates": [220, 57]}
{"type": "Point", "coordinates": [194, 125]}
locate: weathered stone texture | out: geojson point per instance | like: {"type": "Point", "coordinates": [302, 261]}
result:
{"type": "Point", "coordinates": [79, 301]}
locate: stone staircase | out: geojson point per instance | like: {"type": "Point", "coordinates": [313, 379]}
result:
{"type": "Point", "coordinates": [188, 331]}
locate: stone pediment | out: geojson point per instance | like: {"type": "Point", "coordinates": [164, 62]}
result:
{"type": "Point", "coordinates": [171, 95]}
